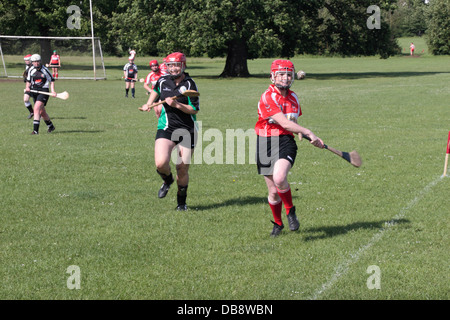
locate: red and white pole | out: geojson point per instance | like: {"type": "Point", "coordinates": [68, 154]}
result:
{"type": "Point", "coordinates": [446, 156]}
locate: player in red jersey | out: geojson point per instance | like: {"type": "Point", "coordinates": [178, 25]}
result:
{"type": "Point", "coordinates": [278, 110]}
{"type": "Point", "coordinates": [163, 68]}
{"type": "Point", "coordinates": [152, 77]}
{"type": "Point", "coordinates": [55, 63]}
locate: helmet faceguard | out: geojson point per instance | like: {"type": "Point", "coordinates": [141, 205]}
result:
{"type": "Point", "coordinates": [282, 74]}
{"type": "Point", "coordinates": [173, 60]}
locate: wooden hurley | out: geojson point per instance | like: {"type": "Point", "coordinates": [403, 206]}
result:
{"type": "Point", "coordinates": [352, 157]}
{"type": "Point", "coordinates": [63, 95]}
{"type": "Point", "coordinates": [187, 93]}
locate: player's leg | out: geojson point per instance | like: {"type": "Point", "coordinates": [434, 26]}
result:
{"type": "Point", "coordinates": [26, 101]}
{"type": "Point", "coordinates": [132, 89]}
{"type": "Point", "coordinates": [280, 173]}
{"type": "Point", "coordinates": [48, 122]}
{"type": "Point", "coordinates": [37, 116]}
{"type": "Point", "coordinates": [182, 167]}
{"type": "Point", "coordinates": [127, 87]}
{"type": "Point", "coordinates": [163, 151]}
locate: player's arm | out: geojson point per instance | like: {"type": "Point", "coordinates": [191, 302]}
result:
{"type": "Point", "coordinates": [293, 127]}
{"type": "Point", "coordinates": [181, 106]}
{"type": "Point", "coordinates": [153, 96]}
{"type": "Point", "coordinates": [52, 88]}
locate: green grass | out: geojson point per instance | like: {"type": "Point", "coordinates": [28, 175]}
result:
{"type": "Point", "coordinates": [85, 195]}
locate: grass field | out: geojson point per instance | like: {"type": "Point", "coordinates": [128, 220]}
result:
{"type": "Point", "coordinates": [86, 195]}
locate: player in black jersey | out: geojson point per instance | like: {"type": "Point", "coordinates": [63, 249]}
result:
{"type": "Point", "coordinates": [40, 79]}
{"type": "Point", "coordinates": [176, 125]}
{"type": "Point", "coordinates": [130, 71]}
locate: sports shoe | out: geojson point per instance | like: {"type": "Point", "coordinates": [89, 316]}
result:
{"type": "Point", "coordinates": [35, 132]}
{"type": "Point", "coordinates": [163, 190]}
{"type": "Point", "coordinates": [276, 229]}
{"type": "Point", "coordinates": [31, 115]}
{"type": "Point", "coordinates": [182, 207]}
{"type": "Point", "coordinates": [292, 219]}
{"type": "Point", "coordinates": [51, 129]}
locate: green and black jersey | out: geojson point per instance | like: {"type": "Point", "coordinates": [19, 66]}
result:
{"type": "Point", "coordinates": [173, 118]}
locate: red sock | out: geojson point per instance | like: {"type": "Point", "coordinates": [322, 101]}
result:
{"type": "Point", "coordinates": [276, 212]}
{"type": "Point", "coordinates": [286, 197]}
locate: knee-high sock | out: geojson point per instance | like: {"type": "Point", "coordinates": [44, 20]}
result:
{"type": "Point", "coordinates": [276, 211]}
{"type": "Point", "coordinates": [286, 197]}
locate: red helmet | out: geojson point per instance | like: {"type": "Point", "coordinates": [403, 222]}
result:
{"type": "Point", "coordinates": [27, 57]}
{"type": "Point", "coordinates": [176, 58]}
{"type": "Point", "coordinates": [153, 63]}
{"type": "Point", "coordinates": [282, 66]}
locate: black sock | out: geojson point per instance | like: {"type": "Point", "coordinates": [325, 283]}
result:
{"type": "Point", "coordinates": [29, 107]}
{"type": "Point", "coordinates": [36, 124]}
{"type": "Point", "coordinates": [182, 195]}
{"type": "Point", "coordinates": [49, 123]}
{"type": "Point", "coordinates": [168, 179]}
{"type": "Point", "coordinates": [126, 90]}
{"type": "Point", "coordinates": [132, 92]}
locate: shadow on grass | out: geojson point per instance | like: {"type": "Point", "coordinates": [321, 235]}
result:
{"type": "Point", "coordinates": [76, 131]}
{"type": "Point", "coordinates": [359, 75]}
{"type": "Point", "coordinates": [324, 232]}
{"type": "Point", "coordinates": [70, 118]}
{"type": "Point", "coordinates": [232, 202]}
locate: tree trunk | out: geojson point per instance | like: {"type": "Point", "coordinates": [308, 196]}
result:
{"type": "Point", "coordinates": [46, 50]}
{"type": "Point", "coordinates": [236, 64]}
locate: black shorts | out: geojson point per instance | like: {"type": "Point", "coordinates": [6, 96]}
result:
{"type": "Point", "coordinates": [39, 96]}
{"type": "Point", "coordinates": [181, 136]}
{"type": "Point", "coordinates": [130, 80]}
{"type": "Point", "coordinates": [271, 149]}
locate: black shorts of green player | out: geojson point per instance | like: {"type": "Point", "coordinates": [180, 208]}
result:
{"type": "Point", "coordinates": [172, 121]}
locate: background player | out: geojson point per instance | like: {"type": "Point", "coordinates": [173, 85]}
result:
{"type": "Point", "coordinates": [40, 79]}
{"type": "Point", "coordinates": [55, 64]}
{"type": "Point", "coordinates": [130, 72]}
{"type": "Point", "coordinates": [152, 77]}
{"type": "Point", "coordinates": [278, 110]}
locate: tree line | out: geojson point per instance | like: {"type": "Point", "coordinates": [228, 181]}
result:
{"type": "Point", "coordinates": [237, 29]}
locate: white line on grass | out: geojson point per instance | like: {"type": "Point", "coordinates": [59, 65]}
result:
{"type": "Point", "coordinates": [343, 268]}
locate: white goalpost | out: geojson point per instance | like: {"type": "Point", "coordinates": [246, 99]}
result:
{"type": "Point", "coordinates": [81, 57]}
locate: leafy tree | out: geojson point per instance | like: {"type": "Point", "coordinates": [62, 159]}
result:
{"type": "Point", "coordinates": [240, 30]}
{"type": "Point", "coordinates": [49, 18]}
{"type": "Point", "coordinates": [438, 34]}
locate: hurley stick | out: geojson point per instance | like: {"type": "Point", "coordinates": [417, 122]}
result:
{"type": "Point", "coordinates": [352, 157]}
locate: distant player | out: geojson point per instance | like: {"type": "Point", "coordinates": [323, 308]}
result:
{"type": "Point", "coordinates": [163, 68]}
{"type": "Point", "coordinates": [55, 64]}
{"type": "Point", "coordinates": [26, 96]}
{"type": "Point", "coordinates": [133, 54]}
{"type": "Point", "coordinates": [152, 77]}
{"type": "Point", "coordinates": [130, 71]}
{"type": "Point", "coordinates": [40, 79]}
{"type": "Point", "coordinates": [412, 47]}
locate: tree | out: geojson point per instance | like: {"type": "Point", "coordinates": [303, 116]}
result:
{"type": "Point", "coordinates": [49, 18]}
{"type": "Point", "coordinates": [247, 29]}
{"type": "Point", "coordinates": [438, 34]}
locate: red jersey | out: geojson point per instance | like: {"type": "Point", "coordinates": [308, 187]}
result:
{"type": "Point", "coordinates": [54, 60]}
{"type": "Point", "coordinates": [152, 77]}
{"type": "Point", "coordinates": [271, 103]}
